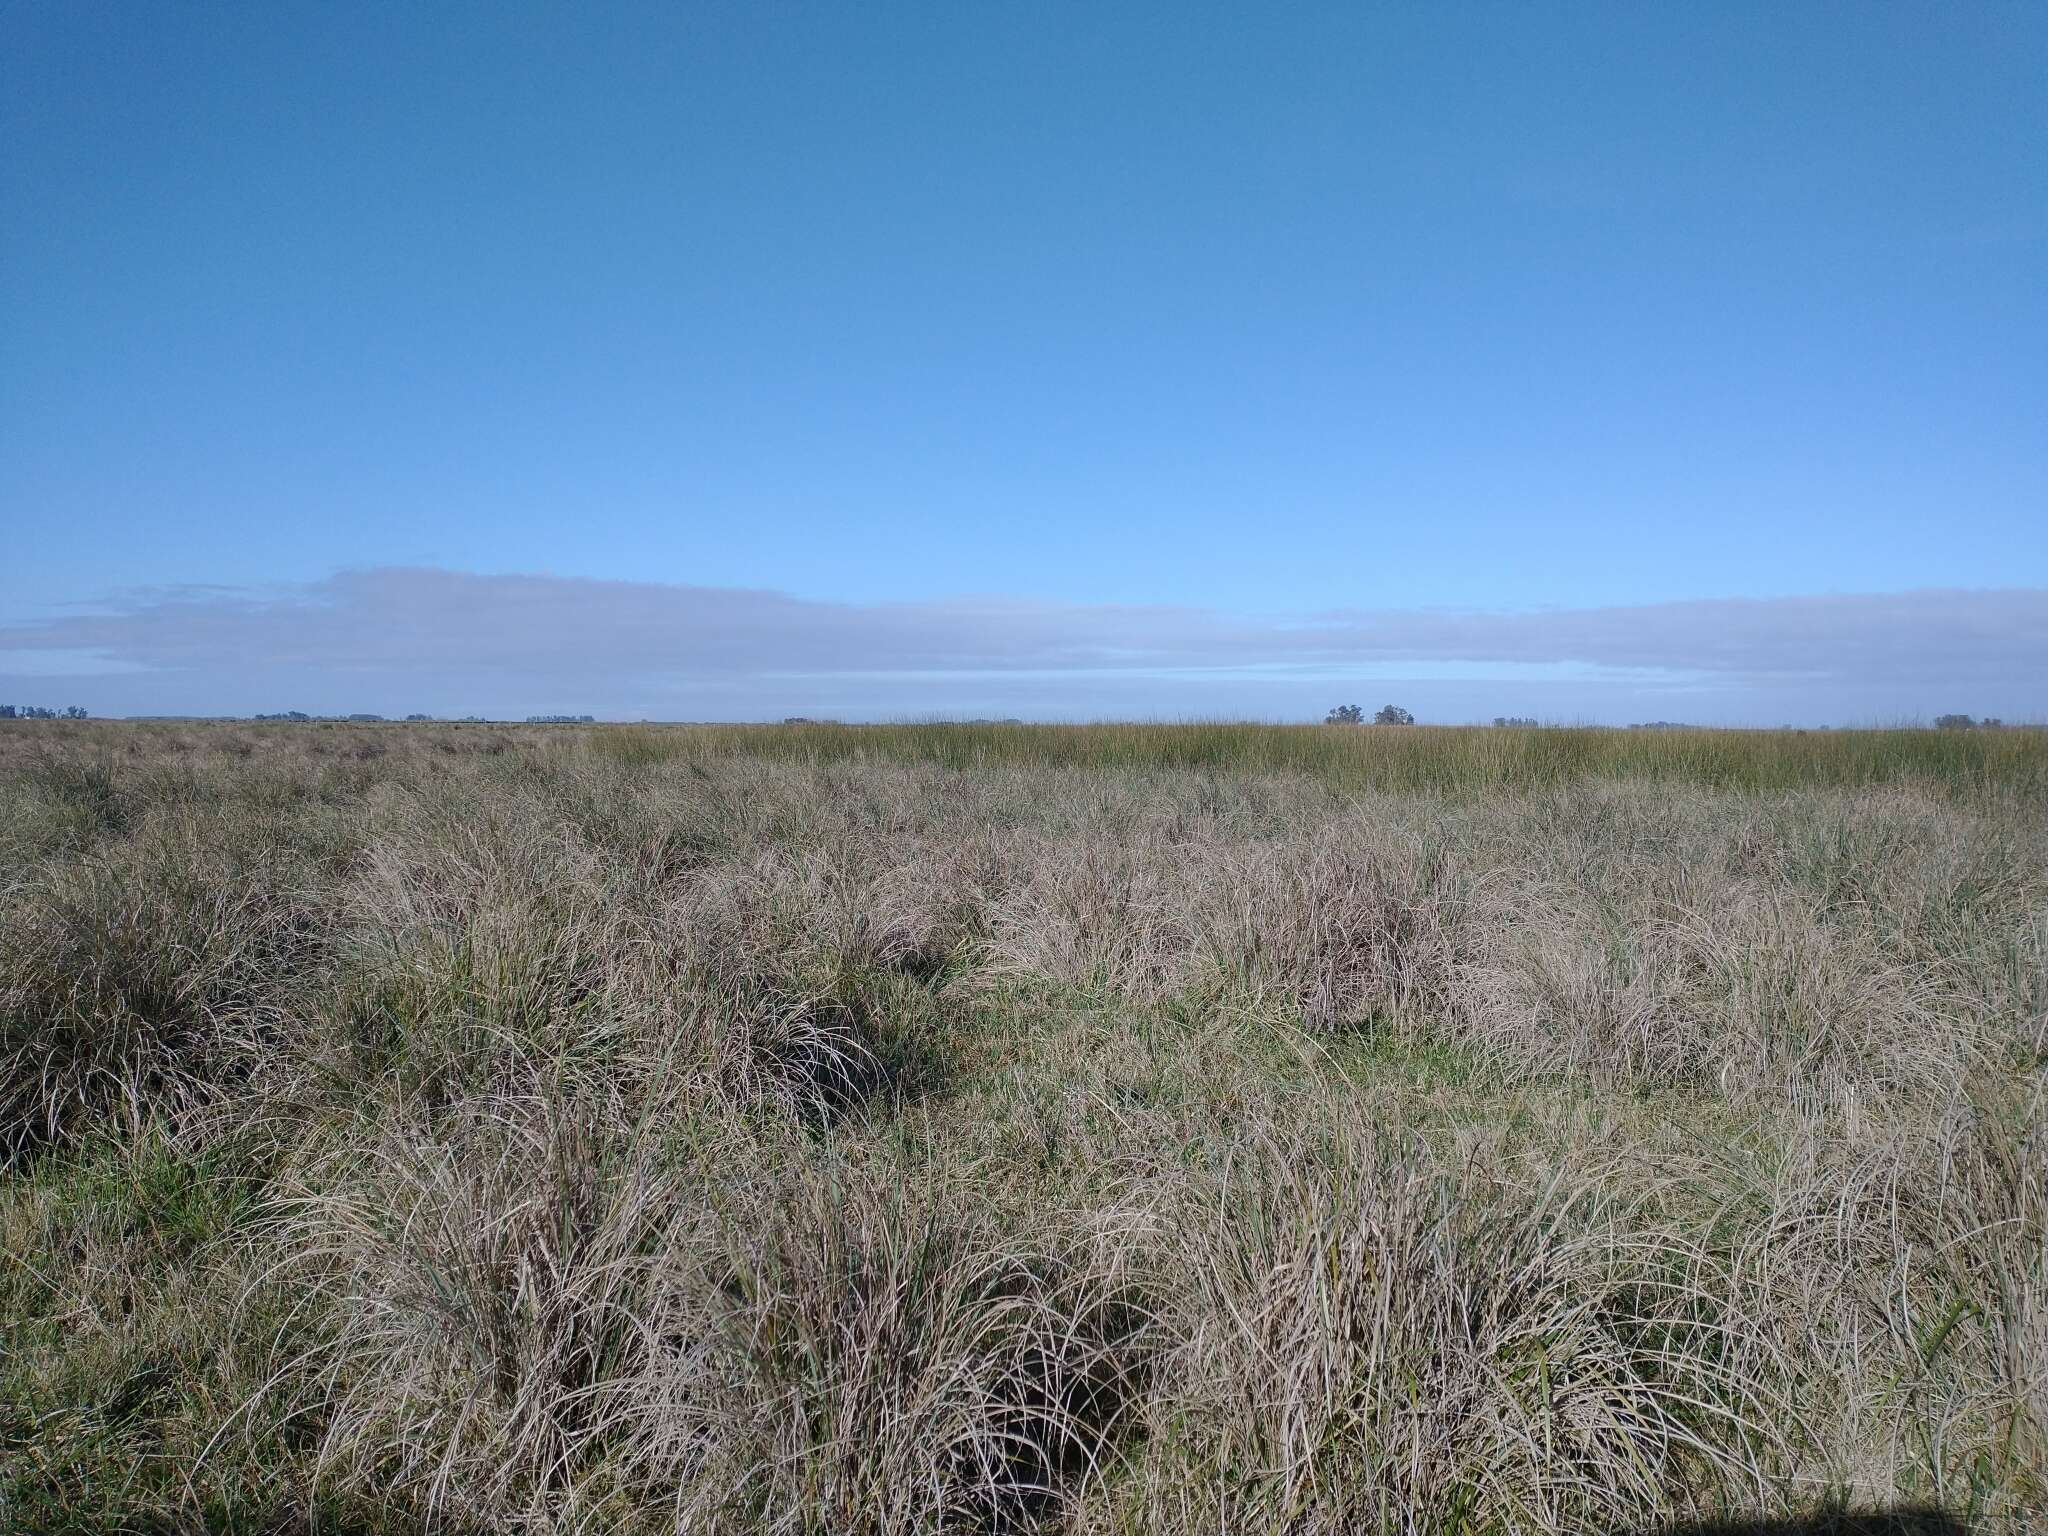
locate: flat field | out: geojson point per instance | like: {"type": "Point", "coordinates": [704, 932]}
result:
{"type": "Point", "coordinates": [1148, 1129]}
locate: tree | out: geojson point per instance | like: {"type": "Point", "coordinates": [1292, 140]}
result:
{"type": "Point", "coordinates": [1953, 722]}
{"type": "Point", "coordinates": [73, 712]}
{"type": "Point", "coordinates": [1393, 714]}
{"type": "Point", "coordinates": [1522, 720]}
{"type": "Point", "coordinates": [1345, 714]}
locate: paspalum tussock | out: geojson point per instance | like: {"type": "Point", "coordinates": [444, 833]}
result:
{"type": "Point", "coordinates": [1135, 1130]}
{"type": "Point", "coordinates": [875, 1350]}
{"type": "Point", "coordinates": [1370, 1339]}
{"type": "Point", "coordinates": [135, 980]}
{"type": "Point", "coordinates": [488, 1277]}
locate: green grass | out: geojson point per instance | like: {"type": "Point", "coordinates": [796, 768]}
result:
{"type": "Point", "coordinates": [1430, 759]}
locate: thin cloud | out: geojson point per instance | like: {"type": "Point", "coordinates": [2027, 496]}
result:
{"type": "Point", "coordinates": [641, 643]}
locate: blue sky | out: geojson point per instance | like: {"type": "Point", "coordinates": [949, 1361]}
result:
{"type": "Point", "coordinates": [1596, 362]}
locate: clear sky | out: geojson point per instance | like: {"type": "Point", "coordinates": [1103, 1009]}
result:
{"type": "Point", "coordinates": [1066, 360]}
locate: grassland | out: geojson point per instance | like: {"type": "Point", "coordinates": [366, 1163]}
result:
{"type": "Point", "coordinates": [1094, 1130]}
{"type": "Point", "coordinates": [1451, 760]}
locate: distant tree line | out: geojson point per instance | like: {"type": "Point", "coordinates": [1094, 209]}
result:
{"type": "Point", "coordinates": [1965, 723]}
{"type": "Point", "coordinates": [40, 712]}
{"type": "Point", "coordinates": [561, 719]}
{"type": "Point", "coordinates": [1352, 714]}
{"type": "Point", "coordinates": [1516, 720]}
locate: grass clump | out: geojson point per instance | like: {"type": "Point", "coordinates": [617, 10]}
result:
{"type": "Point", "coordinates": [1372, 1341]}
{"type": "Point", "coordinates": [135, 981]}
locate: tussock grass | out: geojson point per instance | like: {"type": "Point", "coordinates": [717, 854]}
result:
{"type": "Point", "coordinates": [135, 979]}
{"type": "Point", "coordinates": [937, 1128]}
{"type": "Point", "coordinates": [1372, 1340]}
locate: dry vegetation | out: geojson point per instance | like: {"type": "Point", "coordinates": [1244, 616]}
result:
{"type": "Point", "coordinates": [1183, 1130]}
